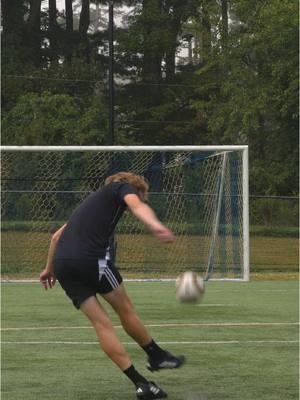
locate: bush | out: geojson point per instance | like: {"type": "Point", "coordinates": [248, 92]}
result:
{"type": "Point", "coordinates": [274, 212]}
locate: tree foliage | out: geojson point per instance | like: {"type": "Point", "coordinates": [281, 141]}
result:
{"type": "Point", "coordinates": [186, 72]}
{"type": "Point", "coordinates": [56, 119]}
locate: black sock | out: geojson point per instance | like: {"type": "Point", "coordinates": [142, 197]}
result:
{"type": "Point", "coordinates": [154, 351]}
{"type": "Point", "coordinates": [134, 376]}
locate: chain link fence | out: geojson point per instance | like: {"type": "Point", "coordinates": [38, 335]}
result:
{"type": "Point", "coordinates": [274, 233]}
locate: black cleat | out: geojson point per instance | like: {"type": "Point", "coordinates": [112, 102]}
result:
{"type": "Point", "coordinates": [149, 391]}
{"type": "Point", "coordinates": [169, 362]}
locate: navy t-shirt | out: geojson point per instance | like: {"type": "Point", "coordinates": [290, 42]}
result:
{"type": "Point", "coordinates": [92, 224]}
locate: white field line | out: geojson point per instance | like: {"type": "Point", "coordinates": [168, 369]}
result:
{"type": "Point", "coordinates": [212, 290]}
{"type": "Point", "coordinates": [256, 290]}
{"type": "Point", "coordinates": [217, 305]}
{"type": "Point", "coordinates": [241, 342]}
{"type": "Point", "coordinates": [191, 325]}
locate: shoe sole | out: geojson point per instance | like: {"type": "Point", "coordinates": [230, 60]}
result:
{"type": "Point", "coordinates": [152, 398]}
{"type": "Point", "coordinates": [180, 364]}
{"type": "Point", "coordinates": [151, 395]}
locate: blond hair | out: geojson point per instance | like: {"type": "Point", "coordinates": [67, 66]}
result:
{"type": "Point", "coordinates": [137, 181]}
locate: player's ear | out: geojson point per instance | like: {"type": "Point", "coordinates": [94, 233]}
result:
{"type": "Point", "coordinates": [143, 195]}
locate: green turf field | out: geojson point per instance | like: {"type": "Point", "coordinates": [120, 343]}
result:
{"type": "Point", "coordinates": [241, 343]}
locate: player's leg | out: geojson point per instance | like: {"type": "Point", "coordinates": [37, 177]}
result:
{"type": "Point", "coordinates": [73, 279]}
{"type": "Point", "coordinates": [105, 332]}
{"type": "Point", "coordinates": [158, 358]}
{"type": "Point", "coordinates": [130, 321]}
{"type": "Point", "coordinates": [112, 346]}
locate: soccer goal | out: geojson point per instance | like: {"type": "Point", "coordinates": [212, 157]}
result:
{"type": "Point", "coordinates": [199, 192]}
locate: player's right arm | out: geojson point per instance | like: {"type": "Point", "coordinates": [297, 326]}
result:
{"type": "Point", "coordinates": [47, 276]}
{"type": "Point", "coordinates": [144, 213]}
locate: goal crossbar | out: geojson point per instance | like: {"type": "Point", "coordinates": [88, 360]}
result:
{"type": "Point", "coordinates": [123, 148]}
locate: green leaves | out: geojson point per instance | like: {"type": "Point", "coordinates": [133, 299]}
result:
{"type": "Point", "coordinates": [54, 119]}
{"type": "Point", "coordinates": [181, 77]}
{"type": "Point", "coordinates": [256, 99]}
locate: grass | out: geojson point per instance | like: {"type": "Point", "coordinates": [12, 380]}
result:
{"type": "Point", "coordinates": [245, 345]}
{"type": "Point", "coordinates": [277, 254]}
{"type": "Point", "coordinates": [24, 254]}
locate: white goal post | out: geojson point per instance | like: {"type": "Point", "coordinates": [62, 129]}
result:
{"type": "Point", "coordinates": [200, 192]}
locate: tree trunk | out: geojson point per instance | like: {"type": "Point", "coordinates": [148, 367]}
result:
{"type": "Point", "coordinates": [224, 26]}
{"type": "Point", "coordinates": [69, 16]}
{"type": "Point", "coordinates": [152, 59]}
{"type": "Point", "coordinates": [151, 67]}
{"type": "Point", "coordinates": [34, 19]}
{"type": "Point", "coordinates": [84, 21]}
{"type": "Point", "coordinates": [170, 63]}
{"type": "Point", "coordinates": [53, 32]}
{"type": "Point", "coordinates": [12, 55]}
{"type": "Point", "coordinates": [33, 38]}
{"type": "Point", "coordinates": [97, 18]}
{"type": "Point", "coordinates": [52, 14]}
{"type": "Point", "coordinates": [206, 37]}
{"type": "Point", "coordinates": [12, 14]}
{"type": "Point", "coordinates": [69, 31]}
{"type": "Point", "coordinates": [174, 28]}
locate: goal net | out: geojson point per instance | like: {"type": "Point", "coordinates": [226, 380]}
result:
{"type": "Point", "coordinates": [200, 193]}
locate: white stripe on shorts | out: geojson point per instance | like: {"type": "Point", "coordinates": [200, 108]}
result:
{"type": "Point", "coordinates": [102, 265]}
{"type": "Point", "coordinates": [111, 278]}
{"type": "Point", "coordinates": [107, 255]}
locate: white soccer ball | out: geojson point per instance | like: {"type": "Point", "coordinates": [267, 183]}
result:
{"type": "Point", "coordinates": [189, 287]}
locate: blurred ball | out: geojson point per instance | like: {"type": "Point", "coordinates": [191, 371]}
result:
{"type": "Point", "coordinates": [189, 287]}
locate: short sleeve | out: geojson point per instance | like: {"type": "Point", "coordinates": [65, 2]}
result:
{"type": "Point", "coordinates": [125, 189]}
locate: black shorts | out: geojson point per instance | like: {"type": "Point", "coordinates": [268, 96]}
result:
{"type": "Point", "coordinates": [82, 279]}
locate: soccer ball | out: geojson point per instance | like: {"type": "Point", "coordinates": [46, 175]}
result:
{"type": "Point", "coordinates": [189, 287]}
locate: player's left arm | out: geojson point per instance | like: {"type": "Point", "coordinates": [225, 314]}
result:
{"type": "Point", "coordinates": [47, 276]}
{"type": "Point", "coordinates": [144, 213]}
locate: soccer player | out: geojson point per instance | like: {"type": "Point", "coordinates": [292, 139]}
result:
{"type": "Point", "coordinates": [80, 258]}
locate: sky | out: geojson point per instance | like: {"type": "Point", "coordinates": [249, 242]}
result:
{"type": "Point", "coordinates": [60, 4]}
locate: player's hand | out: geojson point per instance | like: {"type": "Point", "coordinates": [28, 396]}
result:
{"type": "Point", "coordinates": [47, 279]}
{"type": "Point", "coordinates": [164, 235]}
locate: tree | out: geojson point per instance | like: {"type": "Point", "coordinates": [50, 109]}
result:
{"type": "Point", "coordinates": [238, 85]}
{"type": "Point", "coordinates": [251, 92]}
{"type": "Point", "coordinates": [54, 119]}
